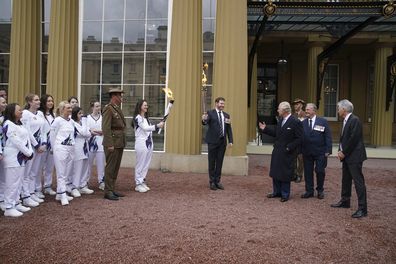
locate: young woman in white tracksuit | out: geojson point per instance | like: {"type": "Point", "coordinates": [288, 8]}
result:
{"type": "Point", "coordinates": [96, 151]}
{"type": "Point", "coordinates": [17, 151]}
{"type": "Point", "coordinates": [3, 104]}
{"type": "Point", "coordinates": [62, 143]}
{"type": "Point", "coordinates": [47, 109]}
{"type": "Point", "coordinates": [34, 121]}
{"type": "Point", "coordinates": [143, 144]}
{"type": "Point", "coordinates": [80, 159]}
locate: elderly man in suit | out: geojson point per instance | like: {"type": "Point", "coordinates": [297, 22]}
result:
{"type": "Point", "coordinates": [113, 128]}
{"type": "Point", "coordinates": [288, 137]}
{"type": "Point", "coordinates": [316, 148]}
{"type": "Point", "coordinates": [351, 153]}
{"type": "Point", "coordinates": [219, 129]}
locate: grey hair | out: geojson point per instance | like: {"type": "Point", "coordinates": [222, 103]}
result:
{"type": "Point", "coordinates": [285, 106]}
{"type": "Point", "coordinates": [346, 105]}
{"type": "Point", "coordinates": [314, 107]}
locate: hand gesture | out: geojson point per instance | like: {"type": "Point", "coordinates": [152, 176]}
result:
{"type": "Point", "coordinates": [262, 125]}
{"type": "Point", "coordinates": [161, 124]}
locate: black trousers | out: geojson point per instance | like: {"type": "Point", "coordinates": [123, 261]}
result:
{"type": "Point", "coordinates": [319, 164]}
{"type": "Point", "coordinates": [353, 171]}
{"type": "Point", "coordinates": [215, 160]}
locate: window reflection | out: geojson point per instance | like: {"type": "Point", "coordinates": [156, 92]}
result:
{"type": "Point", "coordinates": [5, 37]}
{"type": "Point", "coordinates": [44, 39]}
{"type": "Point", "coordinates": [44, 62]}
{"type": "Point", "coordinates": [5, 11]}
{"type": "Point", "coordinates": [155, 99]}
{"type": "Point", "coordinates": [132, 93]}
{"type": "Point", "coordinates": [155, 68]}
{"type": "Point", "coordinates": [157, 31]}
{"type": "Point", "coordinates": [157, 8]}
{"type": "Point", "coordinates": [133, 68]}
{"type": "Point", "coordinates": [4, 68]}
{"type": "Point", "coordinates": [114, 9]}
{"type": "Point", "coordinates": [47, 11]}
{"type": "Point", "coordinates": [92, 36]}
{"type": "Point", "coordinates": [93, 9]}
{"type": "Point", "coordinates": [135, 9]}
{"type": "Point", "coordinates": [111, 68]}
{"type": "Point", "coordinates": [134, 35]}
{"type": "Point", "coordinates": [113, 36]}
{"type": "Point", "coordinates": [89, 93]}
{"type": "Point", "coordinates": [90, 68]}
{"type": "Point", "coordinates": [209, 8]}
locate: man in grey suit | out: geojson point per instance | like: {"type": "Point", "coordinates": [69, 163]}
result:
{"type": "Point", "coordinates": [351, 153]}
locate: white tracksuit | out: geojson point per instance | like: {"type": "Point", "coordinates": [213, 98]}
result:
{"type": "Point", "coordinates": [80, 159]}
{"type": "Point", "coordinates": [17, 149]}
{"type": "Point", "coordinates": [143, 146]}
{"type": "Point", "coordinates": [35, 124]}
{"type": "Point", "coordinates": [2, 175]}
{"type": "Point", "coordinates": [96, 151]}
{"type": "Point", "coordinates": [62, 143]}
{"type": "Point", "coordinates": [48, 157]}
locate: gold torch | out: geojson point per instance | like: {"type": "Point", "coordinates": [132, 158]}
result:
{"type": "Point", "coordinates": [169, 95]}
{"type": "Point", "coordinates": [204, 89]}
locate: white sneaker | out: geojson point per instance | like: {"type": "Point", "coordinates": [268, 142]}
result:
{"type": "Point", "coordinates": [49, 191]}
{"type": "Point", "coordinates": [58, 197]}
{"type": "Point", "coordinates": [145, 186]}
{"type": "Point", "coordinates": [36, 199]}
{"type": "Point", "coordinates": [86, 190]}
{"type": "Point", "coordinates": [30, 202]}
{"type": "Point", "coordinates": [12, 212]}
{"type": "Point", "coordinates": [68, 188]}
{"type": "Point", "coordinates": [140, 188]}
{"type": "Point", "coordinates": [102, 186]}
{"type": "Point", "coordinates": [22, 209]}
{"type": "Point", "coordinates": [64, 201]}
{"type": "Point", "coordinates": [2, 206]}
{"type": "Point", "coordinates": [40, 195]}
{"type": "Point", "coordinates": [75, 193]}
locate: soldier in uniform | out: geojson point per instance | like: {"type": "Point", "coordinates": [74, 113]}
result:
{"type": "Point", "coordinates": [113, 128]}
{"type": "Point", "coordinates": [299, 112]}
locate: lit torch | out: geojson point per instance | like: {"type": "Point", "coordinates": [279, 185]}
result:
{"type": "Point", "coordinates": [169, 95]}
{"type": "Point", "coordinates": [204, 88]}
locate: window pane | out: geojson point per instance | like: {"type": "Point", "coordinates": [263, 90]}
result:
{"type": "Point", "coordinates": [43, 90]}
{"type": "Point", "coordinates": [133, 68]}
{"type": "Point", "coordinates": [44, 41]}
{"type": "Point", "coordinates": [135, 9]}
{"type": "Point", "coordinates": [112, 36]}
{"type": "Point", "coordinates": [132, 93]}
{"type": "Point", "coordinates": [158, 139]}
{"type": "Point", "coordinates": [4, 87]}
{"type": "Point", "coordinates": [112, 68]}
{"type": "Point", "coordinates": [155, 99]}
{"type": "Point", "coordinates": [90, 68]}
{"type": "Point", "coordinates": [44, 62]}
{"type": "Point", "coordinates": [208, 34]}
{"type": "Point", "coordinates": [157, 31]}
{"type": "Point", "coordinates": [89, 93]}
{"type": "Point", "coordinates": [47, 10]}
{"type": "Point", "coordinates": [93, 9]}
{"type": "Point", "coordinates": [155, 68]}
{"type": "Point", "coordinates": [92, 36]}
{"type": "Point", "coordinates": [134, 35]}
{"type": "Point", "coordinates": [114, 9]}
{"type": "Point", "coordinates": [5, 37]}
{"type": "Point", "coordinates": [157, 9]}
{"type": "Point", "coordinates": [4, 68]}
{"type": "Point", "coordinates": [330, 84]}
{"type": "Point", "coordinates": [209, 8]}
{"type": "Point", "coordinates": [129, 134]}
{"type": "Point", "coordinates": [5, 11]}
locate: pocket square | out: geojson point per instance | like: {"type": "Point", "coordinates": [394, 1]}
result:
{"type": "Point", "coordinates": [288, 128]}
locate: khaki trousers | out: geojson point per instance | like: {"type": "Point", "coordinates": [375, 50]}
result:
{"type": "Point", "coordinates": [113, 162]}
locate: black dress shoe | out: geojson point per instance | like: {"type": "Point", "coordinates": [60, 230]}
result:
{"type": "Point", "coordinates": [307, 195]}
{"type": "Point", "coordinates": [283, 199]}
{"type": "Point", "coordinates": [320, 195]}
{"type": "Point", "coordinates": [219, 186]}
{"type": "Point", "coordinates": [111, 197]}
{"type": "Point", "coordinates": [213, 187]}
{"type": "Point", "coordinates": [342, 204]}
{"type": "Point", "coordinates": [360, 213]}
{"type": "Point", "coordinates": [118, 194]}
{"type": "Point", "coordinates": [273, 195]}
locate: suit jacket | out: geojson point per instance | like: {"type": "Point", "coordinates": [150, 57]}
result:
{"type": "Point", "coordinates": [213, 134]}
{"type": "Point", "coordinates": [351, 141]}
{"type": "Point", "coordinates": [287, 143]}
{"type": "Point", "coordinates": [318, 140]}
{"type": "Point", "coordinates": [113, 126]}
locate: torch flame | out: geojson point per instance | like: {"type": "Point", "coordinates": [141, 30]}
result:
{"type": "Point", "coordinates": [168, 93]}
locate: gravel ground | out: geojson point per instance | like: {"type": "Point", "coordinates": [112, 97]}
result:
{"type": "Point", "coordinates": [181, 221]}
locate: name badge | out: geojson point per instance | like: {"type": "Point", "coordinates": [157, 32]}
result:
{"type": "Point", "coordinates": [319, 128]}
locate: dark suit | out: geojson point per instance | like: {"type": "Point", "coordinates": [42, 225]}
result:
{"type": "Point", "coordinates": [316, 142]}
{"type": "Point", "coordinates": [352, 146]}
{"type": "Point", "coordinates": [287, 143]}
{"type": "Point", "coordinates": [216, 143]}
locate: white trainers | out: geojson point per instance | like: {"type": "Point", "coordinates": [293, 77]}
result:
{"type": "Point", "coordinates": [49, 191]}
{"type": "Point", "coordinates": [2, 206]}
{"type": "Point", "coordinates": [64, 201]}
{"type": "Point", "coordinates": [36, 198]}
{"type": "Point", "coordinates": [140, 188]}
{"type": "Point", "coordinates": [22, 209]}
{"type": "Point", "coordinates": [86, 190]}
{"type": "Point", "coordinates": [75, 193]}
{"type": "Point", "coordinates": [145, 186]}
{"type": "Point", "coordinates": [12, 212]}
{"type": "Point", "coordinates": [102, 186]}
{"type": "Point", "coordinates": [30, 202]}
{"type": "Point", "coordinates": [58, 197]}
{"type": "Point", "coordinates": [68, 188]}
{"type": "Point", "coordinates": [40, 195]}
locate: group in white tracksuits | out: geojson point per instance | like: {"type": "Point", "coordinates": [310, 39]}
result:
{"type": "Point", "coordinates": [17, 151]}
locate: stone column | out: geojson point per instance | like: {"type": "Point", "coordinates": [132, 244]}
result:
{"type": "Point", "coordinates": [183, 129]}
{"type": "Point", "coordinates": [63, 50]}
{"type": "Point", "coordinates": [313, 52]}
{"type": "Point", "coordinates": [252, 110]}
{"type": "Point", "coordinates": [230, 67]}
{"type": "Point", "coordinates": [381, 134]}
{"type": "Point", "coordinates": [24, 73]}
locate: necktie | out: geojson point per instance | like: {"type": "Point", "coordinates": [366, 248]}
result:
{"type": "Point", "coordinates": [283, 122]}
{"type": "Point", "coordinates": [221, 125]}
{"type": "Point", "coordinates": [310, 124]}
{"type": "Point", "coordinates": [343, 126]}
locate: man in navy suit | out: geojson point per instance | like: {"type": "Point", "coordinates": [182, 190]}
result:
{"type": "Point", "coordinates": [351, 153]}
{"type": "Point", "coordinates": [288, 137]}
{"type": "Point", "coordinates": [219, 129]}
{"type": "Point", "coordinates": [316, 148]}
